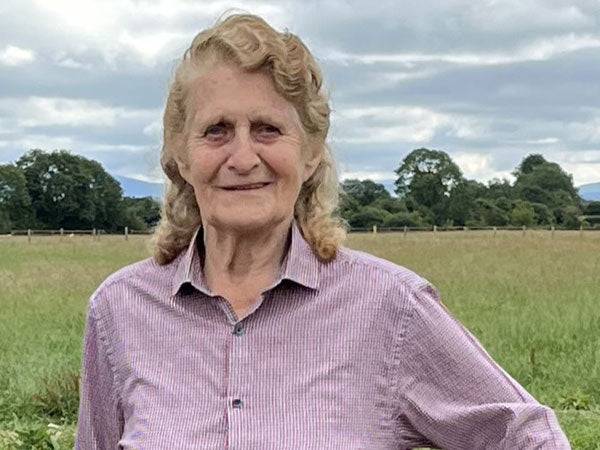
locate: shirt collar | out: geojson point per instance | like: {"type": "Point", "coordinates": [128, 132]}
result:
{"type": "Point", "coordinates": [300, 264]}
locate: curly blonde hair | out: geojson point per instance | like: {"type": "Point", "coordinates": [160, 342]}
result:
{"type": "Point", "coordinates": [248, 42]}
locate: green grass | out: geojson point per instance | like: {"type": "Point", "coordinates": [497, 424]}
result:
{"type": "Point", "coordinates": [533, 302]}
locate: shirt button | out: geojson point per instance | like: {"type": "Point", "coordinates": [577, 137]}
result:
{"type": "Point", "coordinates": [237, 403]}
{"type": "Point", "coordinates": [238, 329]}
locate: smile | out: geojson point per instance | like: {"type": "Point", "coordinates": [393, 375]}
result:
{"type": "Point", "coordinates": [246, 187]}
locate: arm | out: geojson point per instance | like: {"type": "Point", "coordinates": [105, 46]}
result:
{"type": "Point", "coordinates": [453, 395]}
{"type": "Point", "coordinates": [100, 422]}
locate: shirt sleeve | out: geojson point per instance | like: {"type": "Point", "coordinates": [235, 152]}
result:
{"type": "Point", "coordinates": [100, 418]}
{"type": "Point", "coordinates": [454, 396]}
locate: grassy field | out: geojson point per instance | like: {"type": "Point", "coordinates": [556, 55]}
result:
{"type": "Point", "coordinates": [533, 301]}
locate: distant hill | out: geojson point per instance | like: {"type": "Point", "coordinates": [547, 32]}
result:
{"type": "Point", "coordinates": [590, 191]}
{"type": "Point", "coordinates": [137, 188]}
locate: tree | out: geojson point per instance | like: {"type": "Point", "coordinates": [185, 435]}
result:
{"type": "Point", "coordinates": [424, 162]}
{"type": "Point", "coordinates": [543, 214]}
{"type": "Point", "coordinates": [568, 216]}
{"type": "Point", "coordinates": [489, 213]}
{"type": "Point", "coordinates": [592, 209]}
{"type": "Point", "coordinates": [368, 216]}
{"type": "Point", "coordinates": [15, 202]}
{"type": "Point", "coordinates": [549, 177]}
{"type": "Point", "coordinates": [391, 204]}
{"type": "Point", "coordinates": [5, 223]}
{"type": "Point", "coordinates": [462, 201]}
{"type": "Point", "coordinates": [427, 177]}
{"type": "Point", "coordinates": [534, 194]}
{"type": "Point", "coordinates": [348, 206]}
{"type": "Point", "coordinates": [543, 182]}
{"type": "Point", "coordinates": [70, 191]}
{"type": "Point", "coordinates": [365, 192]}
{"type": "Point", "coordinates": [522, 214]}
{"type": "Point", "coordinates": [497, 188]}
{"type": "Point", "coordinates": [403, 219]}
{"type": "Point", "coordinates": [146, 209]}
{"type": "Point", "coordinates": [528, 164]}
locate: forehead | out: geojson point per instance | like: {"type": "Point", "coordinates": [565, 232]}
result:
{"type": "Point", "coordinates": [226, 90]}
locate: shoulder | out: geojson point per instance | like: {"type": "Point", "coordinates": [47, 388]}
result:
{"type": "Point", "coordinates": [140, 278]}
{"type": "Point", "coordinates": [379, 269]}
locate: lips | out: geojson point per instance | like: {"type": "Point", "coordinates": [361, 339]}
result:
{"type": "Point", "coordinates": [246, 187]}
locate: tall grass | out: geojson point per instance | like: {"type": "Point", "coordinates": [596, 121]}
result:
{"type": "Point", "coordinates": [533, 302]}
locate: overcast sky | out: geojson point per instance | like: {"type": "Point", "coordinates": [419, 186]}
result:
{"type": "Point", "coordinates": [486, 81]}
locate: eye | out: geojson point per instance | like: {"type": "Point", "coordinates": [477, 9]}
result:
{"type": "Point", "coordinates": [217, 131]}
{"type": "Point", "coordinates": [268, 131]}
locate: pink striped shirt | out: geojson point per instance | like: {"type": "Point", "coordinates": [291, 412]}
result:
{"type": "Point", "coordinates": [357, 353]}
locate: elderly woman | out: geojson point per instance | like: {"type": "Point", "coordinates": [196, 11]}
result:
{"type": "Point", "coordinates": [252, 328]}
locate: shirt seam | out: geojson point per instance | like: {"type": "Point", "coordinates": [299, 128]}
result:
{"type": "Point", "coordinates": [103, 342]}
{"type": "Point", "coordinates": [400, 339]}
{"type": "Point", "coordinates": [124, 275]}
{"type": "Point", "coordinates": [397, 275]}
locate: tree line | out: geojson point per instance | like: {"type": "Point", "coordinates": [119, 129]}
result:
{"type": "Point", "coordinates": [61, 190]}
{"type": "Point", "coordinates": [431, 190]}
{"type": "Point", "coordinates": [56, 190]}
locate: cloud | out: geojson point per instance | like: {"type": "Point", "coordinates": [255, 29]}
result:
{"type": "Point", "coordinates": [488, 82]}
{"type": "Point", "coordinates": [393, 124]}
{"type": "Point", "coordinates": [13, 56]}
{"type": "Point", "coordinates": [129, 32]}
{"type": "Point", "coordinates": [516, 15]}
{"type": "Point", "coordinates": [364, 175]}
{"type": "Point", "coordinates": [63, 59]}
{"type": "Point", "coordinates": [538, 50]}
{"type": "Point", "coordinates": [583, 173]}
{"type": "Point", "coordinates": [46, 112]}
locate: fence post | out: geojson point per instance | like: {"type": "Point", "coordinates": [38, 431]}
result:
{"type": "Point", "coordinates": [581, 230]}
{"type": "Point", "coordinates": [62, 233]}
{"type": "Point", "coordinates": [29, 235]}
{"type": "Point", "coordinates": [495, 231]}
{"type": "Point", "coordinates": [552, 231]}
{"type": "Point", "coordinates": [524, 228]}
{"type": "Point", "coordinates": [126, 233]}
{"type": "Point", "coordinates": [405, 231]}
{"type": "Point", "coordinates": [93, 234]}
{"type": "Point", "coordinates": [374, 229]}
{"type": "Point", "coordinates": [465, 228]}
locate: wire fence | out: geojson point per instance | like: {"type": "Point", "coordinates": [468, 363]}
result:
{"type": "Point", "coordinates": [96, 234]}
{"type": "Point", "coordinates": [62, 233]}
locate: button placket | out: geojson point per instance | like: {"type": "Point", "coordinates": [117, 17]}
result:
{"type": "Point", "coordinates": [238, 385]}
{"type": "Point", "coordinates": [238, 329]}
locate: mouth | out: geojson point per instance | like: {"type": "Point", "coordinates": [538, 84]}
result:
{"type": "Point", "coordinates": [246, 187]}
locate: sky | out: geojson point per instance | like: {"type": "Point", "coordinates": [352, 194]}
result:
{"type": "Point", "coordinates": [486, 81]}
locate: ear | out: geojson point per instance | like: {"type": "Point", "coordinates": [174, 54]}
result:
{"type": "Point", "coordinates": [184, 169]}
{"type": "Point", "coordinates": [314, 155]}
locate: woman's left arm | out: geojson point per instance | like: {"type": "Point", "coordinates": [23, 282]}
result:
{"type": "Point", "coordinates": [452, 394]}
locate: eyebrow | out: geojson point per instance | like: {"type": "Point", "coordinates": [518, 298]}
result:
{"type": "Point", "coordinates": [254, 118]}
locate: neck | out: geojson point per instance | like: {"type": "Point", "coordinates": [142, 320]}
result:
{"type": "Point", "coordinates": [236, 258]}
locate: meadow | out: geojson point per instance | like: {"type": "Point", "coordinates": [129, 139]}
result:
{"type": "Point", "coordinates": [533, 301]}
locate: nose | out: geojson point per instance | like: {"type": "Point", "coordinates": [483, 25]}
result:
{"type": "Point", "coordinates": [243, 153]}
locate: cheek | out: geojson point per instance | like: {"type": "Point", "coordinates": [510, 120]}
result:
{"type": "Point", "coordinates": [204, 166]}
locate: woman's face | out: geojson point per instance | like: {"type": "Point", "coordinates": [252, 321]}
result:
{"type": "Point", "coordinates": [246, 156]}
